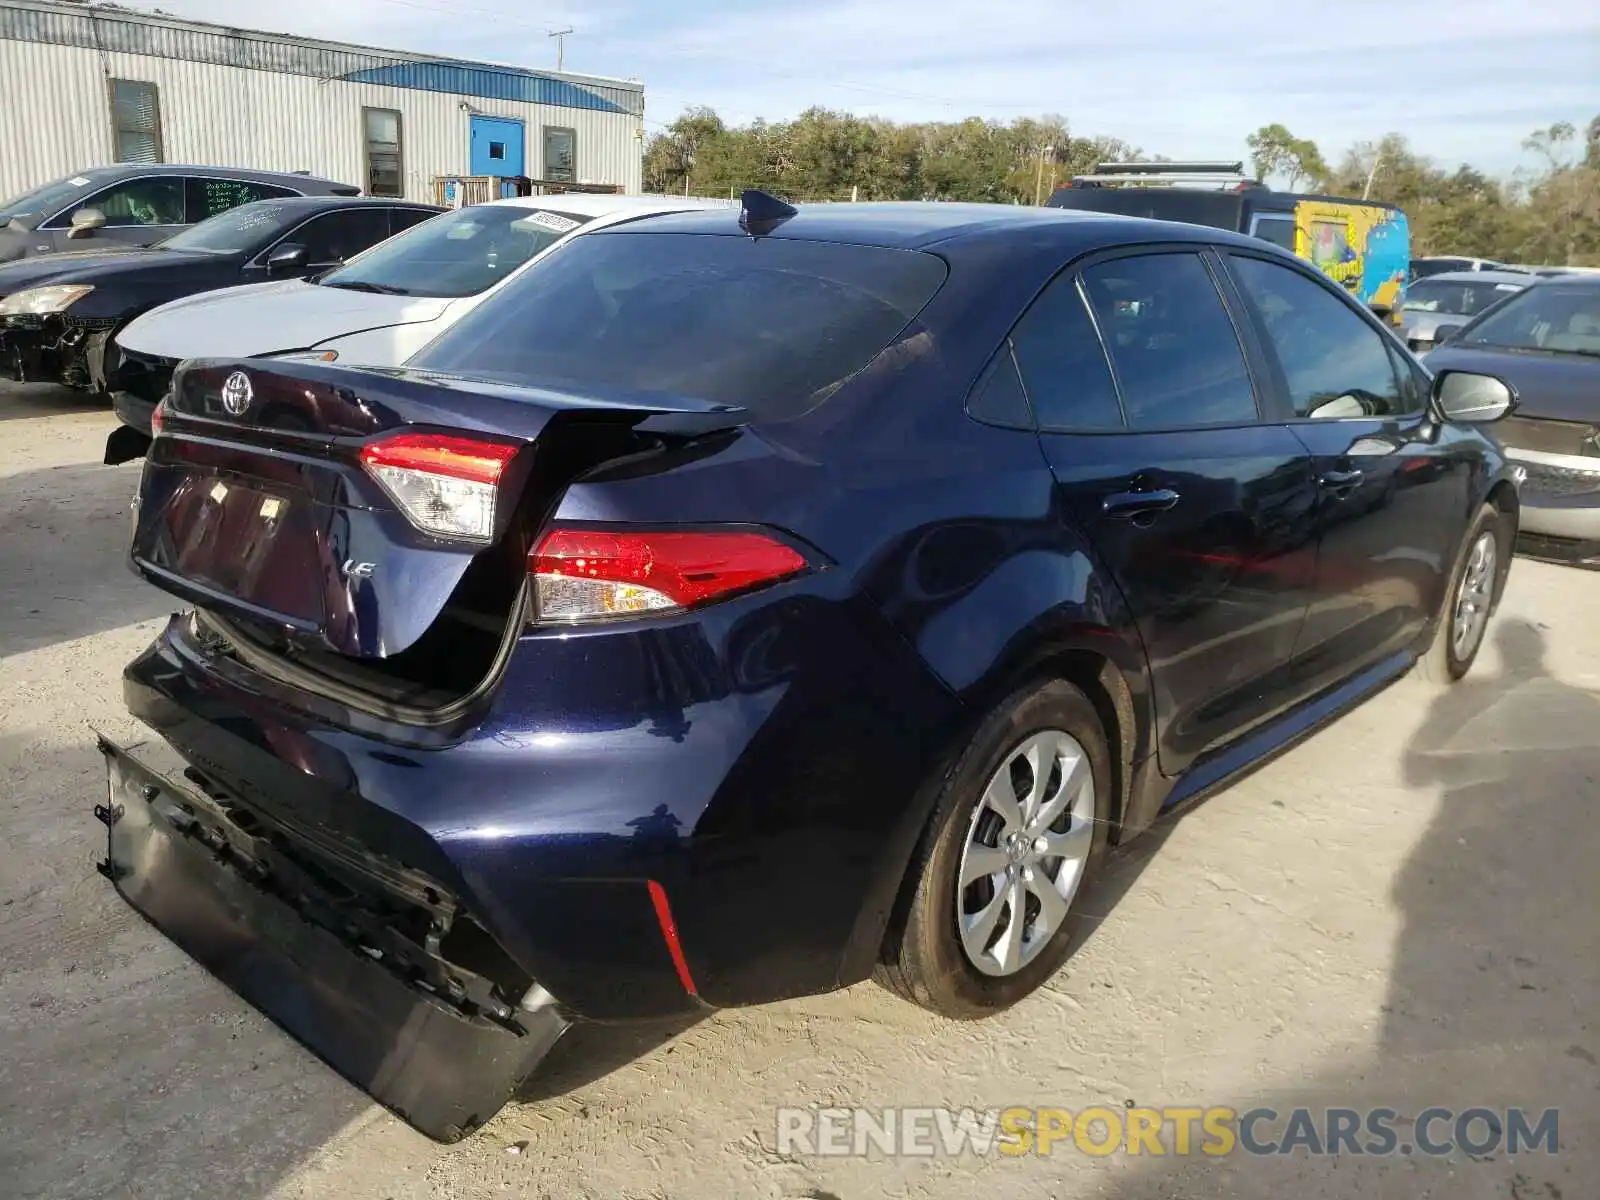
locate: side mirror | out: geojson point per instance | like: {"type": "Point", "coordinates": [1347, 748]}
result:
{"type": "Point", "coordinates": [85, 221]}
{"type": "Point", "coordinates": [1472, 399]}
{"type": "Point", "coordinates": [289, 257]}
{"type": "Point", "coordinates": [1446, 333]}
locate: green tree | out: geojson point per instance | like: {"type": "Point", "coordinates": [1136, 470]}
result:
{"type": "Point", "coordinates": [1275, 153]}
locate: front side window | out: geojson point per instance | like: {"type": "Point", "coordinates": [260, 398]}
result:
{"type": "Point", "coordinates": [336, 236]}
{"type": "Point", "coordinates": [1546, 317]}
{"type": "Point", "coordinates": [773, 328]}
{"type": "Point", "coordinates": [461, 253]}
{"type": "Point", "coordinates": [135, 121]}
{"type": "Point", "coordinates": [560, 155]}
{"type": "Point", "coordinates": [157, 200]}
{"type": "Point", "coordinates": [1172, 344]}
{"type": "Point", "coordinates": [381, 129]}
{"type": "Point", "coordinates": [1334, 362]}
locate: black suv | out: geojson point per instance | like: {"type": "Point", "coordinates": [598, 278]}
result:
{"type": "Point", "coordinates": [137, 204]}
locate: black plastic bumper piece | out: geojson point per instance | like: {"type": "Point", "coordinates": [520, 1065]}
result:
{"type": "Point", "coordinates": [440, 1070]}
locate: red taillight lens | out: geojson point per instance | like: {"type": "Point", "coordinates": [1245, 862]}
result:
{"type": "Point", "coordinates": [158, 418]}
{"type": "Point", "coordinates": [444, 483]}
{"type": "Point", "coordinates": [588, 574]}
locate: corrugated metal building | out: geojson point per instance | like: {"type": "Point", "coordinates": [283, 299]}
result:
{"type": "Point", "coordinates": [82, 86]}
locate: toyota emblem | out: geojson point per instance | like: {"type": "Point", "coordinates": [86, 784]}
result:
{"type": "Point", "coordinates": [237, 393]}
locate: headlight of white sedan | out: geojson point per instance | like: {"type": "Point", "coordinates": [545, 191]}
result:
{"type": "Point", "coordinates": [39, 301]}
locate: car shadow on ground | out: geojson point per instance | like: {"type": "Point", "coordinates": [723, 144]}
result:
{"type": "Point", "coordinates": [1494, 989]}
{"type": "Point", "coordinates": [65, 534]}
{"type": "Point", "coordinates": [20, 401]}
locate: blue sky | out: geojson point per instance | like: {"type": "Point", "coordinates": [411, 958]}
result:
{"type": "Point", "coordinates": [1465, 80]}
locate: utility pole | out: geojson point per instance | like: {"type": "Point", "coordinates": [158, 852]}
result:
{"type": "Point", "coordinates": [560, 36]}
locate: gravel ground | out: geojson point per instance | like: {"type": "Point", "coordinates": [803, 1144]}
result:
{"type": "Point", "coordinates": [1402, 912]}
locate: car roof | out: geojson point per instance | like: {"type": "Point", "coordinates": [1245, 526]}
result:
{"type": "Point", "coordinates": [1488, 276]}
{"type": "Point", "coordinates": [914, 225]}
{"type": "Point", "coordinates": [592, 204]}
{"type": "Point", "coordinates": [114, 171]}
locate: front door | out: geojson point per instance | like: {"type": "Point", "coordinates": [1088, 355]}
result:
{"type": "Point", "coordinates": [1201, 511]}
{"type": "Point", "coordinates": [1392, 494]}
{"type": "Point", "coordinates": [496, 147]}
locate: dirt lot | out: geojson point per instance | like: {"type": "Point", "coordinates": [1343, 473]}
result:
{"type": "Point", "coordinates": [1402, 912]}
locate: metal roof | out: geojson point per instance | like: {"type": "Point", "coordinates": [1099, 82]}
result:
{"type": "Point", "coordinates": [108, 28]}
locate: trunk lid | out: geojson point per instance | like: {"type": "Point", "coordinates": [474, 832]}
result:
{"type": "Point", "coordinates": [265, 497]}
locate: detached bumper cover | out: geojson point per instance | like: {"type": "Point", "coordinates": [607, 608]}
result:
{"type": "Point", "coordinates": [221, 893]}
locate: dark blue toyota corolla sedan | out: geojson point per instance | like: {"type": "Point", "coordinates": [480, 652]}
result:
{"type": "Point", "coordinates": [739, 606]}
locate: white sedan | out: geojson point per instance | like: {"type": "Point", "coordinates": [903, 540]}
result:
{"type": "Point", "coordinates": [379, 308]}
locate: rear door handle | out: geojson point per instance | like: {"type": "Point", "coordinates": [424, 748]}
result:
{"type": "Point", "coordinates": [1138, 504]}
{"type": "Point", "coordinates": [1339, 481]}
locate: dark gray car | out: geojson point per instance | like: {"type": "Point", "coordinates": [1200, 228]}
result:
{"type": "Point", "coordinates": [138, 204]}
{"type": "Point", "coordinates": [1453, 298]}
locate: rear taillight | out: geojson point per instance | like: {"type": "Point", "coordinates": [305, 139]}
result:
{"type": "Point", "coordinates": [158, 417]}
{"type": "Point", "coordinates": [590, 574]}
{"type": "Point", "coordinates": [445, 484]}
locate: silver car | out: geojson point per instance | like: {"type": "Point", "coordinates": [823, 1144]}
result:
{"type": "Point", "coordinates": [1452, 299]}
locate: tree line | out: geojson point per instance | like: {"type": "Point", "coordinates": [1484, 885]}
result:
{"type": "Point", "coordinates": [1547, 214]}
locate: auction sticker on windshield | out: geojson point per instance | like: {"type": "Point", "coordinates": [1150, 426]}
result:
{"type": "Point", "coordinates": [550, 220]}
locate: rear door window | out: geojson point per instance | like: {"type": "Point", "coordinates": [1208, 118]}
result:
{"type": "Point", "coordinates": [772, 326]}
{"type": "Point", "coordinates": [206, 198]}
{"type": "Point", "coordinates": [1173, 346]}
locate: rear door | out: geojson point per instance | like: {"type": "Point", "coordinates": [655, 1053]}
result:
{"type": "Point", "coordinates": [1199, 508]}
{"type": "Point", "coordinates": [1392, 494]}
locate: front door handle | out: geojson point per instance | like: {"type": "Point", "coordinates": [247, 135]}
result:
{"type": "Point", "coordinates": [1138, 504]}
{"type": "Point", "coordinates": [1340, 481]}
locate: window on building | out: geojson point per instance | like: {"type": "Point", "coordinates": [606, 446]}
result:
{"type": "Point", "coordinates": [381, 128]}
{"type": "Point", "coordinates": [560, 154]}
{"type": "Point", "coordinates": [135, 121]}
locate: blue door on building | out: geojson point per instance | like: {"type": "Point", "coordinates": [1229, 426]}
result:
{"type": "Point", "coordinates": [496, 146]}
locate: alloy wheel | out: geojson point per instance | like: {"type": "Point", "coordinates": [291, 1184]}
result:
{"type": "Point", "coordinates": [1027, 847]}
{"type": "Point", "coordinates": [1474, 594]}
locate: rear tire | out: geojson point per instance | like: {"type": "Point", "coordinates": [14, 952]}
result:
{"type": "Point", "coordinates": [1023, 820]}
{"type": "Point", "coordinates": [1469, 601]}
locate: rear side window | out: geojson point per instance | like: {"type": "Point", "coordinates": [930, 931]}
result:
{"type": "Point", "coordinates": [1172, 343]}
{"type": "Point", "coordinates": [1063, 364]}
{"type": "Point", "coordinates": [771, 325]}
{"type": "Point", "coordinates": [207, 198]}
{"type": "Point", "coordinates": [1336, 365]}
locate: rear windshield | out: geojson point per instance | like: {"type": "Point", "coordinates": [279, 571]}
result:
{"type": "Point", "coordinates": [1459, 299]}
{"type": "Point", "coordinates": [770, 325]}
{"type": "Point", "coordinates": [460, 253]}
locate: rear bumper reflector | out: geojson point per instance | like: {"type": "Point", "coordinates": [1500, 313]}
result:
{"type": "Point", "coordinates": [438, 1069]}
{"type": "Point", "coordinates": [669, 934]}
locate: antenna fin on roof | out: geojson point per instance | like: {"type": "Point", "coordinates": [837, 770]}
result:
{"type": "Point", "coordinates": [761, 212]}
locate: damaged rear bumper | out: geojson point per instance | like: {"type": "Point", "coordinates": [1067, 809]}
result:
{"type": "Point", "coordinates": [323, 945]}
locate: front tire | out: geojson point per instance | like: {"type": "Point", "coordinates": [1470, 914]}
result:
{"type": "Point", "coordinates": [1470, 599]}
{"type": "Point", "coordinates": [1020, 826]}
